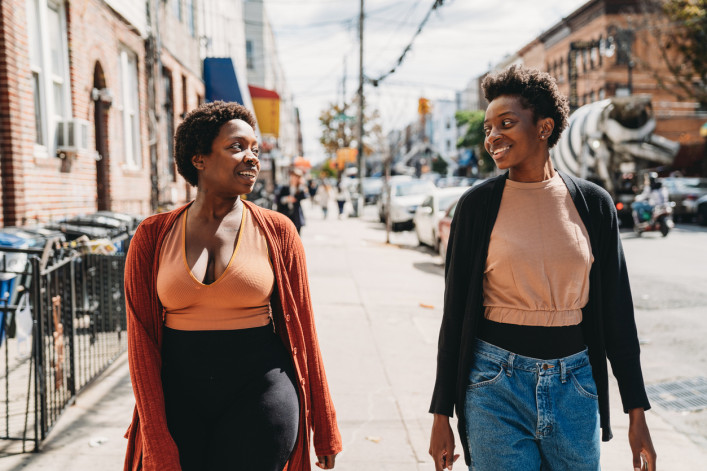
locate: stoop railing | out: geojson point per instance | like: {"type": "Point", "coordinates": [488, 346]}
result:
{"type": "Point", "coordinates": [64, 324]}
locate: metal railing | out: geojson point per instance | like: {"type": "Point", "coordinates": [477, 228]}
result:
{"type": "Point", "coordinates": [77, 307]}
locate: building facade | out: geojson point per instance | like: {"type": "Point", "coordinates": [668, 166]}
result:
{"type": "Point", "coordinates": [90, 94]}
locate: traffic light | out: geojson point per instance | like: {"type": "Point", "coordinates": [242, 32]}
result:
{"type": "Point", "coordinates": [423, 106]}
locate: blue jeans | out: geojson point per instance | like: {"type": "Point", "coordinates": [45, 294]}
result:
{"type": "Point", "coordinates": [528, 414]}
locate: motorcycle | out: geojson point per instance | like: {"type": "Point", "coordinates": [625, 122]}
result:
{"type": "Point", "coordinates": [648, 217]}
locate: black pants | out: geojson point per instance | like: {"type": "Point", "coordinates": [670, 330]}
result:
{"type": "Point", "coordinates": [230, 399]}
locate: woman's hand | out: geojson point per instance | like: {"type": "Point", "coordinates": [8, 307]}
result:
{"type": "Point", "coordinates": [640, 440]}
{"type": "Point", "coordinates": [326, 462]}
{"type": "Point", "coordinates": [442, 443]}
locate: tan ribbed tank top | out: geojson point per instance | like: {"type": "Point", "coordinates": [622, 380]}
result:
{"type": "Point", "coordinates": [238, 299]}
{"type": "Point", "coordinates": [539, 258]}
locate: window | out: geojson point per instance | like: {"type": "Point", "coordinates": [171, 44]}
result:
{"type": "Point", "coordinates": [130, 109]}
{"type": "Point", "coordinates": [177, 9]}
{"type": "Point", "coordinates": [190, 17]}
{"type": "Point", "coordinates": [249, 54]}
{"type": "Point", "coordinates": [46, 28]}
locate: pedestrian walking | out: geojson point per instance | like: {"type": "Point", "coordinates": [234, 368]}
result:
{"type": "Point", "coordinates": [223, 353]}
{"type": "Point", "coordinates": [342, 196]}
{"type": "Point", "coordinates": [322, 197]}
{"type": "Point", "coordinates": [536, 298]}
{"type": "Point", "coordinates": [289, 198]}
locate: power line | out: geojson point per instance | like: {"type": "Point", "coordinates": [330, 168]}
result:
{"type": "Point", "coordinates": [375, 82]}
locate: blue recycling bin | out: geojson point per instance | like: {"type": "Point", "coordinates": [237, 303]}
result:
{"type": "Point", "coordinates": [11, 266]}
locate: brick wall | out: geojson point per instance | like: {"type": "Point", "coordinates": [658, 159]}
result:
{"type": "Point", "coordinates": [602, 75]}
{"type": "Point", "coordinates": [16, 110]}
{"type": "Point", "coordinates": [38, 188]}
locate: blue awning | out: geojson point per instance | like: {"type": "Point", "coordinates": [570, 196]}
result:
{"type": "Point", "coordinates": [220, 80]}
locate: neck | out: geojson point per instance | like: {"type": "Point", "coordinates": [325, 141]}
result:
{"type": "Point", "coordinates": [210, 207]}
{"type": "Point", "coordinates": [533, 173]}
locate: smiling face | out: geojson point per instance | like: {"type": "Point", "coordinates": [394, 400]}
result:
{"type": "Point", "coordinates": [232, 167]}
{"type": "Point", "coordinates": [514, 139]}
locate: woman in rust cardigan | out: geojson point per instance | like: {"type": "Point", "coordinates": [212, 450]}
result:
{"type": "Point", "coordinates": [223, 352]}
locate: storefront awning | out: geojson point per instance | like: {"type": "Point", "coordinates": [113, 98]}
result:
{"type": "Point", "coordinates": [266, 104]}
{"type": "Point", "coordinates": [221, 81]}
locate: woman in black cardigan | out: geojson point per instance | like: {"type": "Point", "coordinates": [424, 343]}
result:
{"type": "Point", "coordinates": [526, 373]}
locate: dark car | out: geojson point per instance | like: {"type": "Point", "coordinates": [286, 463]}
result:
{"type": "Point", "coordinates": [685, 191]}
{"type": "Point", "coordinates": [702, 210]}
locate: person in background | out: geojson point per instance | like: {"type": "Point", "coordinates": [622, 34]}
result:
{"type": "Point", "coordinates": [537, 297]}
{"type": "Point", "coordinates": [323, 196]}
{"type": "Point", "coordinates": [289, 198]}
{"type": "Point", "coordinates": [223, 353]}
{"type": "Point", "coordinates": [342, 195]}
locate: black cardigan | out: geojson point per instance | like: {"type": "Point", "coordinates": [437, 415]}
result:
{"type": "Point", "coordinates": [608, 323]}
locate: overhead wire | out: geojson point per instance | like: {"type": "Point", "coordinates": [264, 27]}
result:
{"type": "Point", "coordinates": [376, 81]}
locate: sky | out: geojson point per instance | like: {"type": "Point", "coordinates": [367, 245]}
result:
{"type": "Point", "coordinates": [317, 42]}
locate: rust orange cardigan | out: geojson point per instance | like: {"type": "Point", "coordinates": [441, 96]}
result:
{"type": "Point", "coordinates": [150, 446]}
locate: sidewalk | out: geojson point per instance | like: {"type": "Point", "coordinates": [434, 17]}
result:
{"type": "Point", "coordinates": [378, 310]}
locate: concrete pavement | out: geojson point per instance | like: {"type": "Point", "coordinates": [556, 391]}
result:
{"type": "Point", "coordinates": [378, 310]}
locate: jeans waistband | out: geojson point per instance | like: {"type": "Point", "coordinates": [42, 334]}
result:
{"type": "Point", "coordinates": [520, 362]}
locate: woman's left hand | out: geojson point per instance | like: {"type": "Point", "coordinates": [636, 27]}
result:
{"type": "Point", "coordinates": [326, 462]}
{"type": "Point", "coordinates": [640, 440]}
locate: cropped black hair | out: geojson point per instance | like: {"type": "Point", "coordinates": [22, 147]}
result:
{"type": "Point", "coordinates": [537, 92]}
{"type": "Point", "coordinates": [196, 134]}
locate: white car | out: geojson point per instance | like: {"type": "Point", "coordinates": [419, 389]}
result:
{"type": "Point", "coordinates": [431, 210]}
{"type": "Point", "coordinates": [405, 197]}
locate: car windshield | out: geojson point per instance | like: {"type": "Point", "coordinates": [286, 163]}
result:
{"type": "Point", "coordinates": [413, 188]}
{"type": "Point", "coordinates": [446, 201]}
{"type": "Point", "coordinates": [373, 185]}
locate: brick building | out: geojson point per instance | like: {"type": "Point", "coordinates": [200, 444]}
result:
{"type": "Point", "coordinates": [605, 49]}
{"type": "Point", "coordinates": [86, 117]}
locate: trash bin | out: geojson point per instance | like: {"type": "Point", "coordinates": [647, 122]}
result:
{"type": "Point", "coordinates": [12, 264]}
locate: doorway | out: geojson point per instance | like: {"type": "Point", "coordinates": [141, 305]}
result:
{"type": "Point", "coordinates": [100, 115]}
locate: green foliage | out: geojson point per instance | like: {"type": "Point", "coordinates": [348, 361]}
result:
{"type": "Point", "coordinates": [327, 170]}
{"type": "Point", "coordinates": [473, 138]}
{"type": "Point", "coordinates": [439, 165]}
{"type": "Point", "coordinates": [339, 127]}
{"type": "Point", "coordinates": [682, 40]}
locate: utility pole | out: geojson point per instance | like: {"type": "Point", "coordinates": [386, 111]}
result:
{"type": "Point", "coordinates": [359, 204]}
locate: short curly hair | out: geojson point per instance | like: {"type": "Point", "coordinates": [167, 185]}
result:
{"type": "Point", "coordinates": [537, 91]}
{"type": "Point", "coordinates": [196, 134]}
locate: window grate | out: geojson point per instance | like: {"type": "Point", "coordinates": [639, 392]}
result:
{"type": "Point", "coordinates": [680, 396]}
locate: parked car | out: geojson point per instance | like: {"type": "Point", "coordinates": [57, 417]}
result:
{"type": "Point", "coordinates": [443, 228]}
{"type": "Point", "coordinates": [405, 197]}
{"type": "Point", "coordinates": [446, 182]}
{"type": "Point", "coordinates": [685, 191]}
{"type": "Point", "coordinates": [372, 188]}
{"type": "Point", "coordinates": [383, 198]}
{"type": "Point", "coordinates": [702, 210]}
{"type": "Point", "coordinates": [430, 212]}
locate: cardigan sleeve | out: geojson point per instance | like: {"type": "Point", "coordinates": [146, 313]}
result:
{"type": "Point", "coordinates": [457, 279]}
{"type": "Point", "coordinates": [622, 347]}
{"type": "Point", "coordinates": [327, 439]}
{"type": "Point", "coordinates": [144, 356]}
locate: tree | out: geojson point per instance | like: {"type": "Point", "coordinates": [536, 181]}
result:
{"type": "Point", "coordinates": [680, 29]}
{"type": "Point", "coordinates": [340, 127]}
{"type": "Point", "coordinates": [474, 136]}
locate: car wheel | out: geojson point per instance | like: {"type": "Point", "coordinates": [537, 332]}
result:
{"type": "Point", "coordinates": [436, 242]}
{"type": "Point", "coordinates": [417, 233]}
{"type": "Point", "coordinates": [702, 215]}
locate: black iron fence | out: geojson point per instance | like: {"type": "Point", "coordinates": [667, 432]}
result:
{"type": "Point", "coordinates": [62, 323]}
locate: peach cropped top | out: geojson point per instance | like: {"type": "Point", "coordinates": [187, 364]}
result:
{"type": "Point", "coordinates": [238, 299]}
{"type": "Point", "coordinates": [539, 257]}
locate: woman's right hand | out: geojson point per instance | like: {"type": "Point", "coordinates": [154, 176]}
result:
{"type": "Point", "coordinates": [442, 443]}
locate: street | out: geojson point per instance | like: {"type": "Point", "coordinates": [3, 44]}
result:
{"type": "Point", "coordinates": [391, 313]}
{"type": "Point", "coordinates": [378, 310]}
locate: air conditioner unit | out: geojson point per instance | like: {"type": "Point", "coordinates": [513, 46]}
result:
{"type": "Point", "coordinates": [71, 136]}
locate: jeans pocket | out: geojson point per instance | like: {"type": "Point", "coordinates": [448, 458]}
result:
{"type": "Point", "coordinates": [484, 372]}
{"type": "Point", "coordinates": [584, 382]}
